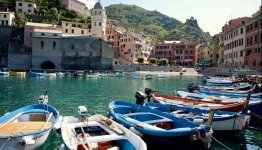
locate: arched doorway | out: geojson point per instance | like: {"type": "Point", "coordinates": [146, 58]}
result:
{"type": "Point", "coordinates": [48, 65]}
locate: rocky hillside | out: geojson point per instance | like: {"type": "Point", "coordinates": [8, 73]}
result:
{"type": "Point", "coordinates": [160, 26]}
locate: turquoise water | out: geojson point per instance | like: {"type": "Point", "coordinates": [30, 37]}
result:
{"type": "Point", "coordinates": [66, 94]}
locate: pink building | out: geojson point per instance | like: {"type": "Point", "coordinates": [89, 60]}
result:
{"type": "Point", "coordinates": [253, 49]}
{"type": "Point", "coordinates": [233, 40]}
{"type": "Point", "coordinates": [130, 46]}
{"type": "Point", "coordinates": [177, 52]}
{"type": "Point", "coordinates": [113, 34]}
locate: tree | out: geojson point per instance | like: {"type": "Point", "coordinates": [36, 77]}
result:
{"type": "Point", "coordinates": [53, 11]}
{"type": "Point", "coordinates": [152, 61]}
{"type": "Point", "coordinates": [20, 20]}
{"type": "Point", "coordinates": [140, 60]}
{"type": "Point", "coordinates": [163, 62]}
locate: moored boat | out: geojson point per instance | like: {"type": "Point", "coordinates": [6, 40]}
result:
{"type": "Point", "coordinates": [222, 121]}
{"type": "Point", "coordinates": [97, 132]}
{"type": "Point", "coordinates": [27, 127]}
{"type": "Point", "coordinates": [174, 100]}
{"type": "Point", "coordinates": [149, 76]}
{"type": "Point", "coordinates": [160, 129]}
{"type": "Point", "coordinates": [120, 74]}
{"type": "Point", "coordinates": [17, 74]}
{"type": "Point", "coordinates": [35, 74]}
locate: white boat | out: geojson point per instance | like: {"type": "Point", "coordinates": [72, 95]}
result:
{"type": "Point", "coordinates": [27, 127]}
{"type": "Point", "coordinates": [162, 76]}
{"type": "Point", "coordinates": [149, 76]}
{"type": "Point", "coordinates": [4, 73]}
{"type": "Point", "coordinates": [136, 76]}
{"type": "Point", "coordinates": [49, 74]}
{"type": "Point", "coordinates": [60, 74]}
{"type": "Point", "coordinates": [92, 76]}
{"type": "Point", "coordinates": [120, 74]}
{"type": "Point", "coordinates": [97, 132]}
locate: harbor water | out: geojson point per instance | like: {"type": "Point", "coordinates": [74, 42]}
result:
{"type": "Point", "coordinates": [67, 93]}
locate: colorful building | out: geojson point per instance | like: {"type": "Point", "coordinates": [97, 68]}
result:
{"type": "Point", "coordinates": [176, 52]}
{"type": "Point", "coordinates": [253, 49]}
{"type": "Point", "coordinates": [234, 42]}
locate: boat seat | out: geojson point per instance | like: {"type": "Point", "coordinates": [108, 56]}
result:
{"type": "Point", "coordinates": [103, 138]}
{"type": "Point", "coordinates": [15, 128]}
{"type": "Point", "coordinates": [138, 113]}
{"type": "Point", "coordinates": [157, 120]}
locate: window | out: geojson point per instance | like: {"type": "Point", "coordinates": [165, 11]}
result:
{"type": "Point", "coordinates": [54, 45]}
{"type": "Point", "coordinates": [66, 24]}
{"type": "Point", "coordinates": [4, 16]}
{"type": "Point", "coordinates": [42, 45]}
{"type": "Point", "coordinates": [100, 24]}
{"type": "Point", "coordinates": [29, 10]}
{"type": "Point", "coordinates": [66, 30]}
{"type": "Point", "coordinates": [100, 12]}
{"type": "Point", "coordinates": [42, 34]}
{"type": "Point", "coordinates": [6, 22]}
{"type": "Point", "coordinates": [256, 38]}
{"type": "Point", "coordinates": [20, 4]}
{"type": "Point", "coordinates": [79, 26]}
{"type": "Point", "coordinates": [241, 31]}
{"type": "Point", "coordinates": [241, 53]}
{"type": "Point", "coordinates": [94, 23]}
{"type": "Point", "coordinates": [73, 47]}
{"type": "Point", "coordinates": [82, 32]}
{"type": "Point", "coordinates": [72, 31]}
{"type": "Point", "coordinates": [29, 5]}
{"type": "Point", "coordinates": [256, 23]}
{"type": "Point", "coordinates": [19, 10]}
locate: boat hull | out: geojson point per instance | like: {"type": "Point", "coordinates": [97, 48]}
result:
{"type": "Point", "coordinates": [13, 143]}
{"type": "Point", "coordinates": [145, 122]}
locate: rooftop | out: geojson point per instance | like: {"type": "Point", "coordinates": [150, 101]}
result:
{"type": "Point", "coordinates": [38, 24]}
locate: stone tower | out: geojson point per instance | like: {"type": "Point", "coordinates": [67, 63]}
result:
{"type": "Point", "coordinates": [98, 14]}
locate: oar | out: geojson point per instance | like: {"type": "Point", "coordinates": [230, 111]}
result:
{"type": "Point", "coordinates": [49, 117]}
{"type": "Point", "coordinates": [210, 118]}
{"type": "Point", "coordinates": [16, 116]}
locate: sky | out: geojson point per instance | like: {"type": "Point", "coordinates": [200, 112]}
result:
{"type": "Point", "coordinates": [210, 14]}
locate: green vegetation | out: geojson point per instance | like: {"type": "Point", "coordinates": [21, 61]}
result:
{"type": "Point", "coordinates": [140, 60]}
{"type": "Point", "coordinates": [163, 62]}
{"type": "Point", "coordinates": [45, 7]}
{"type": "Point", "coordinates": [160, 26]}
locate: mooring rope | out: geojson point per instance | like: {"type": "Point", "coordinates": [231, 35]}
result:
{"type": "Point", "coordinates": [221, 143]}
{"type": "Point", "coordinates": [256, 115]}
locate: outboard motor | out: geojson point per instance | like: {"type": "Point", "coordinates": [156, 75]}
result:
{"type": "Point", "coordinates": [148, 92]}
{"type": "Point", "coordinates": [192, 87]}
{"type": "Point", "coordinates": [140, 97]}
{"type": "Point", "coordinates": [43, 99]}
{"type": "Point", "coordinates": [82, 112]}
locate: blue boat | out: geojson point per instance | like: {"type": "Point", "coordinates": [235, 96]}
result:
{"type": "Point", "coordinates": [35, 74]}
{"type": "Point", "coordinates": [222, 121]}
{"type": "Point", "coordinates": [160, 129]}
{"type": "Point", "coordinates": [254, 105]}
{"type": "Point", "coordinates": [241, 86]}
{"type": "Point", "coordinates": [230, 94]}
{"type": "Point", "coordinates": [27, 127]}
